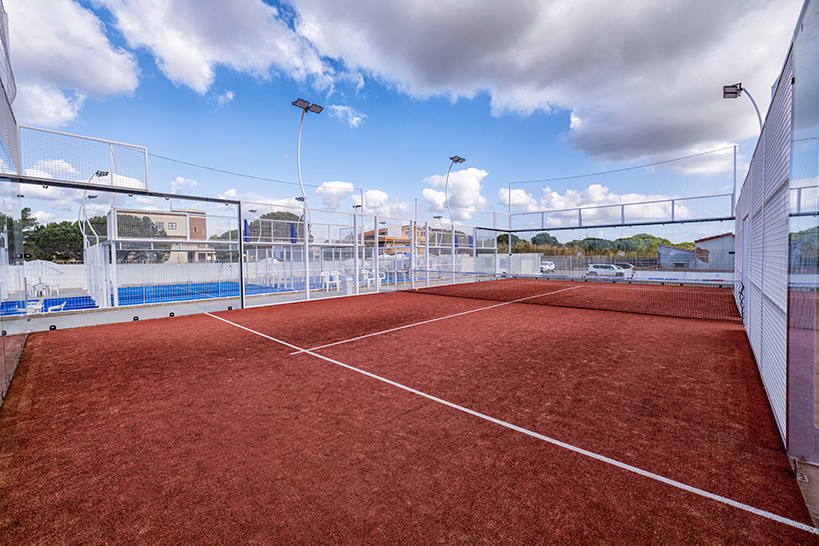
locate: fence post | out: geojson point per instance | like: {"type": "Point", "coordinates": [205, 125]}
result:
{"type": "Point", "coordinates": [241, 258]}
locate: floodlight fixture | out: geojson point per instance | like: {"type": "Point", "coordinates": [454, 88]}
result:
{"type": "Point", "coordinates": [98, 174]}
{"type": "Point", "coordinates": [438, 217]}
{"type": "Point", "coordinates": [301, 103]}
{"type": "Point", "coordinates": [456, 159]}
{"type": "Point", "coordinates": [315, 108]}
{"type": "Point", "coordinates": [732, 91]}
{"type": "Point", "coordinates": [735, 91]}
{"type": "Point", "coordinates": [300, 199]}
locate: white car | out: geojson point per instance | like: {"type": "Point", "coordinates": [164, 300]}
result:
{"type": "Point", "coordinates": [547, 267]}
{"type": "Point", "coordinates": [627, 268]}
{"type": "Point", "coordinates": [605, 270]}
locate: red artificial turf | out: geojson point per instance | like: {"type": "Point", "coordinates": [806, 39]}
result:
{"type": "Point", "coordinates": [189, 430]}
{"type": "Point", "coordinates": [683, 299]}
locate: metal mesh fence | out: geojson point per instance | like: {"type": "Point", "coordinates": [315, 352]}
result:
{"type": "Point", "coordinates": [50, 154]}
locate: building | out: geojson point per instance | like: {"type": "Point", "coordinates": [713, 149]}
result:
{"type": "Point", "coordinates": [174, 225]}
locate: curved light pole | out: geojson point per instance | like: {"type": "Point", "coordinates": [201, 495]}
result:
{"type": "Point", "coordinates": [735, 91]}
{"type": "Point", "coordinates": [82, 218]}
{"type": "Point", "coordinates": [305, 107]}
{"type": "Point", "coordinates": [454, 159]}
{"type": "Point", "coordinates": [316, 109]}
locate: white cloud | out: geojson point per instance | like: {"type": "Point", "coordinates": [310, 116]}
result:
{"type": "Point", "coordinates": [43, 217]}
{"type": "Point", "coordinates": [465, 196]}
{"type": "Point", "coordinates": [333, 192]}
{"type": "Point", "coordinates": [641, 78]}
{"type": "Point", "coordinates": [54, 168]}
{"type": "Point", "coordinates": [258, 202]}
{"type": "Point", "coordinates": [346, 114]}
{"type": "Point", "coordinates": [60, 55]}
{"type": "Point", "coordinates": [378, 203]}
{"type": "Point", "coordinates": [225, 98]}
{"type": "Point", "coordinates": [599, 205]}
{"type": "Point", "coordinates": [47, 106]}
{"type": "Point", "coordinates": [179, 183]}
{"type": "Point", "coordinates": [195, 37]}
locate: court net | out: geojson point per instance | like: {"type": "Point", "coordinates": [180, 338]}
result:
{"type": "Point", "coordinates": [715, 300]}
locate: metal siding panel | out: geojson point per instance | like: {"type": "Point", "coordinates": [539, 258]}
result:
{"type": "Point", "coordinates": [773, 364]}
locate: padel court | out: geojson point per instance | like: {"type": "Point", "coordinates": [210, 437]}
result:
{"type": "Point", "coordinates": [399, 418]}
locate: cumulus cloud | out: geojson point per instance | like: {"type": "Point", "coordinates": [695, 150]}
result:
{"type": "Point", "coordinates": [54, 168]}
{"type": "Point", "coordinates": [378, 202]}
{"type": "Point", "coordinates": [640, 78]}
{"type": "Point", "coordinates": [180, 183]}
{"type": "Point", "coordinates": [61, 54]}
{"type": "Point", "coordinates": [346, 114]}
{"type": "Point", "coordinates": [43, 217]}
{"type": "Point", "coordinates": [333, 192]}
{"type": "Point", "coordinates": [47, 106]}
{"type": "Point", "coordinates": [195, 37]}
{"type": "Point", "coordinates": [464, 193]}
{"type": "Point", "coordinates": [598, 202]}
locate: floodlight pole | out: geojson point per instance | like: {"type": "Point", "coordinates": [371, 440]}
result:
{"type": "Point", "coordinates": [454, 159]}
{"type": "Point", "coordinates": [735, 91]}
{"type": "Point", "coordinates": [316, 109]}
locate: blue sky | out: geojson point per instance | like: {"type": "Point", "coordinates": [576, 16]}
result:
{"type": "Point", "coordinates": [545, 91]}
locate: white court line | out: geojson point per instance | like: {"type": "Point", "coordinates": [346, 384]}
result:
{"type": "Point", "coordinates": [434, 320]}
{"type": "Point", "coordinates": [564, 445]}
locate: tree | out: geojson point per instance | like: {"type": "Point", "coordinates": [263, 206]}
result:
{"type": "Point", "coordinates": [226, 252]}
{"type": "Point", "coordinates": [57, 241]}
{"type": "Point", "coordinates": [544, 239]}
{"type": "Point", "coordinates": [131, 226]}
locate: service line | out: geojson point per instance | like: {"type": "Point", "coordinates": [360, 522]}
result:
{"type": "Point", "coordinates": [553, 441]}
{"type": "Point", "coordinates": [434, 320]}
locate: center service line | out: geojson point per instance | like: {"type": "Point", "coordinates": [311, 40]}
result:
{"type": "Point", "coordinates": [433, 320]}
{"type": "Point", "coordinates": [564, 445]}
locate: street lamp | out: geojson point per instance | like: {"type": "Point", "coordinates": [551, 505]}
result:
{"type": "Point", "coordinates": [100, 174]}
{"type": "Point", "coordinates": [735, 91]}
{"type": "Point", "coordinates": [305, 107]}
{"type": "Point", "coordinates": [82, 217]}
{"type": "Point", "coordinates": [454, 159]}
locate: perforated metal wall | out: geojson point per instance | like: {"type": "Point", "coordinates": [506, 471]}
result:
{"type": "Point", "coordinates": [762, 247]}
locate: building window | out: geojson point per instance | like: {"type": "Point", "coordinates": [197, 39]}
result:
{"type": "Point", "coordinates": [194, 229]}
{"type": "Point", "coordinates": [171, 225]}
{"type": "Point", "coordinates": [160, 225]}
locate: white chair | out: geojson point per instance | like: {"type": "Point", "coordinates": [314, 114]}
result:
{"type": "Point", "coordinates": [325, 280]}
{"type": "Point", "coordinates": [54, 289]}
{"type": "Point", "coordinates": [335, 279]}
{"type": "Point", "coordinates": [57, 307]}
{"type": "Point", "coordinates": [368, 278]}
{"type": "Point", "coordinates": [34, 307]}
{"type": "Point", "coordinates": [381, 278]}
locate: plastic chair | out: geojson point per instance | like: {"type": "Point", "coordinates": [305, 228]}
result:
{"type": "Point", "coordinates": [335, 279]}
{"type": "Point", "coordinates": [381, 278]}
{"type": "Point", "coordinates": [34, 306]}
{"type": "Point", "coordinates": [368, 278]}
{"type": "Point", "coordinates": [325, 281]}
{"type": "Point", "coordinates": [57, 307]}
{"type": "Point", "coordinates": [54, 289]}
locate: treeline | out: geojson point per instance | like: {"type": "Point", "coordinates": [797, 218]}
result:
{"type": "Point", "coordinates": [641, 244]}
{"type": "Point", "coordinates": [62, 241]}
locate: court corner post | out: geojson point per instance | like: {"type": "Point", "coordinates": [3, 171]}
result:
{"type": "Point", "coordinates": [241, 257]}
